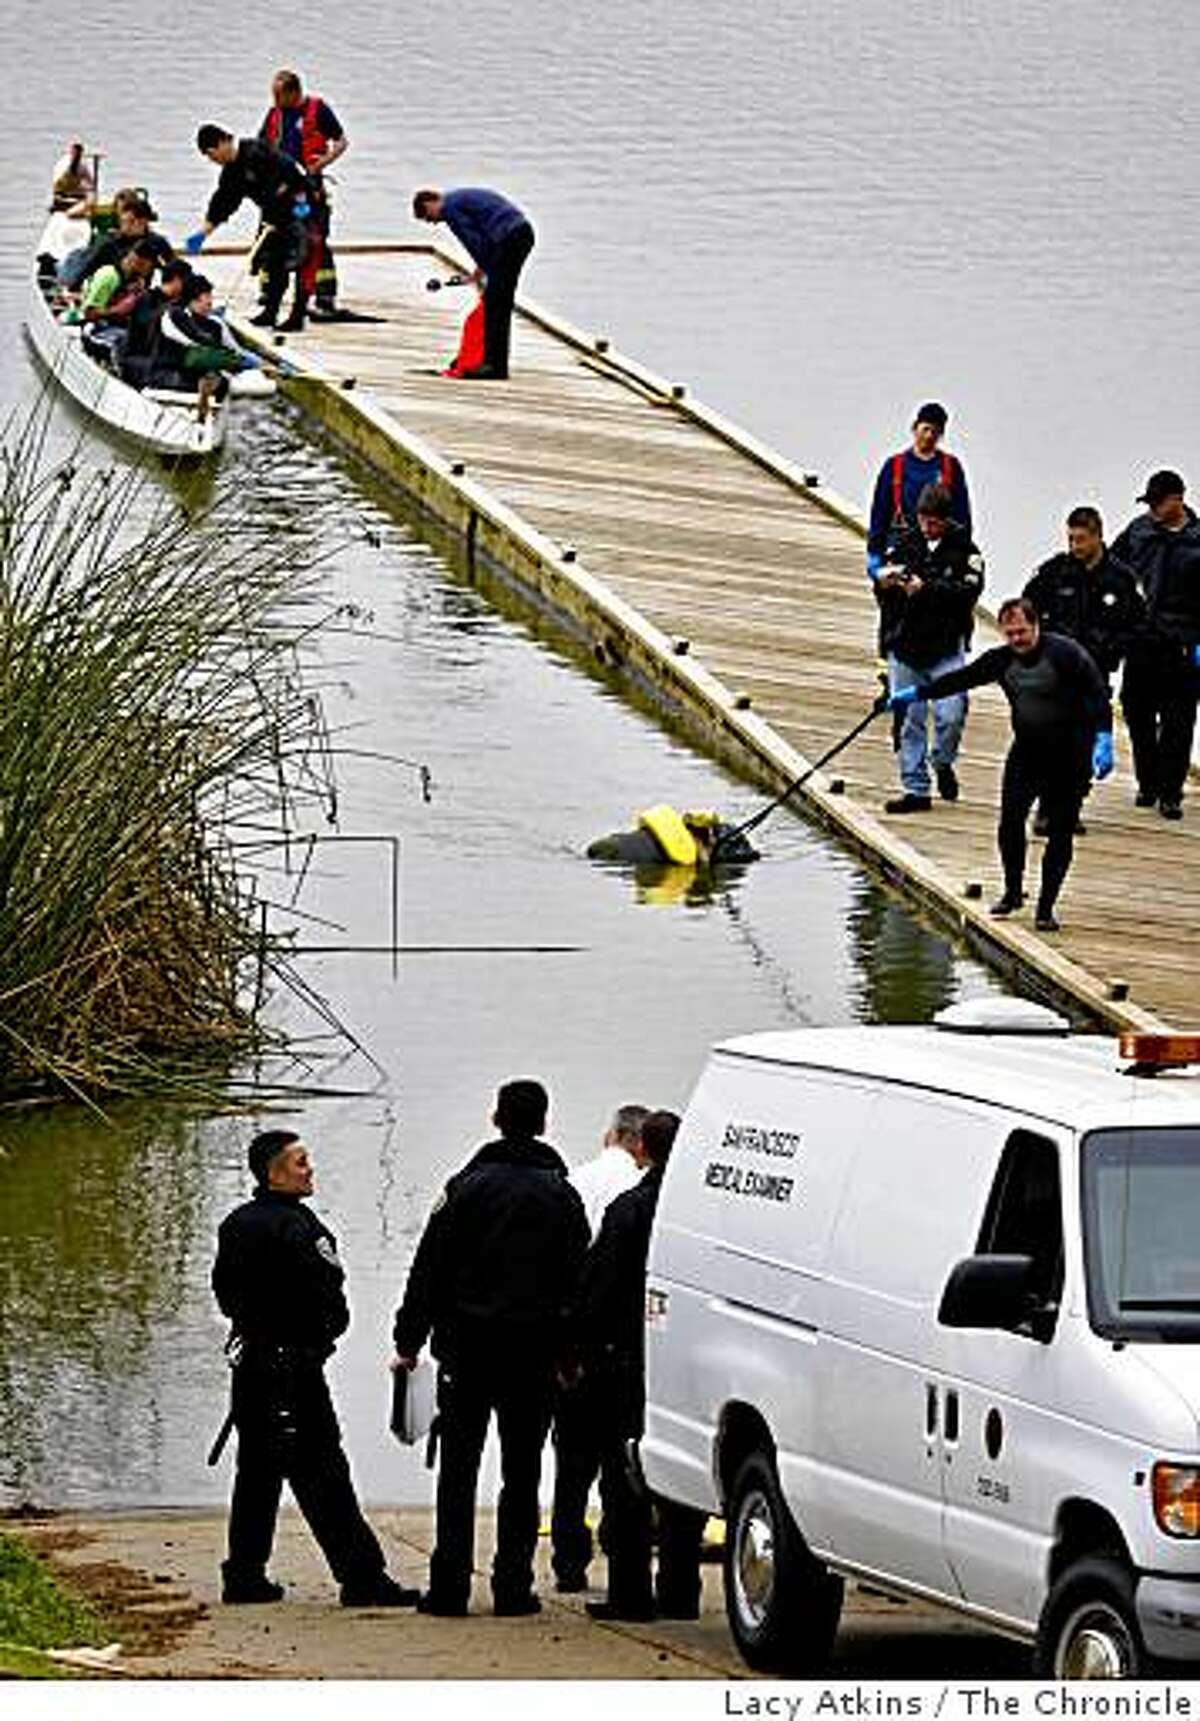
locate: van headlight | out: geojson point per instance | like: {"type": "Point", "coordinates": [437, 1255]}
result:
{"type": "Point", "coordinates": [1176, 1489]}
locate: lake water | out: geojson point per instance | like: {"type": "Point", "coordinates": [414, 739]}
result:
{"type": "Point", "coordinates": [816, 217]}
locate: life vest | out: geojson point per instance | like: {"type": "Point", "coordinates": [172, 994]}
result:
{"type": "Point", "coordinates": [667, 828]}
{"type": "Point", "coordinates": [947, 478]}
{"type": "Point", "coordinates": [313, 142]}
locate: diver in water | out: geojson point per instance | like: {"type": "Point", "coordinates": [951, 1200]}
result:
{"type": "Point", "coordinates": [665, 837]}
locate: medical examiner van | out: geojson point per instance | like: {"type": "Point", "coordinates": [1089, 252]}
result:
{"type": "Point", "coordinates": [923, 1309]}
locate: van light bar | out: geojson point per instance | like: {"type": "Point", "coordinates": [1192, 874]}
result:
{"type": "Point", "coordinates": [1160, 1051]}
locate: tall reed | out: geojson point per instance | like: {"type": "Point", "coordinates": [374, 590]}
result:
{"type": "Point", "coordinates": [153, 713]}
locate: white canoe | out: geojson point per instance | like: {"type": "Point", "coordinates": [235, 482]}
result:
{"type": "Point", "coordinates": [163, 420]}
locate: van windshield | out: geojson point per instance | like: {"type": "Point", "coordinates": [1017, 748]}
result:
{"type": "Point", "coordinates": [1141, 1221]}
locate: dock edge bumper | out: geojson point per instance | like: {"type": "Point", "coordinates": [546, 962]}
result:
{"type": "Point", "coordinates": [1168, 1611]}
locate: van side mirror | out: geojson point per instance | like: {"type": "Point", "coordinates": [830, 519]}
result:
{"type": "Point", "coordinates": [993, 1292]}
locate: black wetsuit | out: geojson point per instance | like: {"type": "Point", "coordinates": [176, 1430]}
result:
{"type": "Point", "coordinates": [1058, 700]}
{"type": "Point", "coordinates": [489, 1283]}
{"type": "Point", "coordinates": [640, 848]}
{"type": "Point", "coordinates": [278, 1279]}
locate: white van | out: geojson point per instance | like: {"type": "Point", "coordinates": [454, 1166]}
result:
{"type": "Point", "coordinates": [923, 1309]}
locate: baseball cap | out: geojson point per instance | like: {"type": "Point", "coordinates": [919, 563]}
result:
{"type": "Point", "coordinates": [1160, 485]}
{"type": "Point", "coordinates": [932, 412]}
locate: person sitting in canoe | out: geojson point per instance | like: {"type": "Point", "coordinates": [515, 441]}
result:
{"type": "Point", "coordinates": [197, 342]}
{"type": "Point", "coordinates": [666, 837]}
{"type": "Point", "coordinates": [134, 215]}
{"type": "Point", "coordinates": [108, 301]}
{"type": "Point", "coordinates": [144, 363]}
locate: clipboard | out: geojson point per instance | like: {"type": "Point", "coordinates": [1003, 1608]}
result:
{"type": "Point", "coordinates": [414, 1402]}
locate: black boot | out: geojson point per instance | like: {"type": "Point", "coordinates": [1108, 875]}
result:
{"type": "Point", "coordinates": [295, 319]}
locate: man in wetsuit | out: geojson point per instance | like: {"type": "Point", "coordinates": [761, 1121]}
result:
{"type": "Point", "coordinates": [489, 1283]}
{"type": "Point", "coordinates": [256, 170]}
{"type": "Point", "coordinates": [278, 1279]}
{"type": "Point", "coordinates": [1062, 726]}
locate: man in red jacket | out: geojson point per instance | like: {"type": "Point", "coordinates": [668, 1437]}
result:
{"type": "Point", "coordinates": [306, 128]}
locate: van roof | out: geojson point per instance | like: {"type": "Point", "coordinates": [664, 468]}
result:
{"type": "Point", "coordinates": [1078, 1080]}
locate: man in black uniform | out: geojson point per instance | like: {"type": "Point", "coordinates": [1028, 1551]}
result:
{"type": "Point", "coordinates": [489, 1281]}
{"type": "Point", "coordinates": [1162, 673]}
{"type": "Point", "coordinates": [1061, 714]}
{"type": "Point", "coordinates": [608, 1324]}
{"type": "Point", "coordinates": [1088, 594]}
{"type": "Point", "coordinates": [278, 1279]}
{"type": "Point", "coordinates": [927, 592]}
{"type": "Point", "coordinates": [279, 186]}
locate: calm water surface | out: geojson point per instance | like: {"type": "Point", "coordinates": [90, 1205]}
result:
{"type": "Point", "coordinates": [816, 217]}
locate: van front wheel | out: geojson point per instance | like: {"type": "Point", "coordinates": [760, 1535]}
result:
{"type": "Point", "coordinates": [1088, 1628]}
{"type": "Point", "coordinates": [783, 1605]}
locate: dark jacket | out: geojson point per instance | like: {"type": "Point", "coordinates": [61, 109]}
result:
{"type": "Point", "coordinates": [1056, 695]}
{"type": "Point", "coordinates": [1167, 567]}
{"type": "Point", "coordinates": [481, 220]}
{"type": "Point", "coordinates": [1101, 608]}
{"type": "Point", "coordinates": [922, 628]}
{"type": "Point", "coordinates": [608, 1314]}
{"type": "Point", "coordinates": [498, 1257]}
{"type": "Point", "coordinates": [114, 246]}
{"type": "Point", "coordinates": [145, 325]}
{"type": "Point", "coordinates": [266, 176]}
{"type": "Point", "coordinates": [277, 1276]}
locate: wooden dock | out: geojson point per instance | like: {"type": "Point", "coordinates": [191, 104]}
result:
{"type": "Point", "coordinates": [730, 584]}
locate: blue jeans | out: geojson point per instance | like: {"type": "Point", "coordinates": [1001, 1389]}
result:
{"type": "Point", "coordinates": [949, 716]}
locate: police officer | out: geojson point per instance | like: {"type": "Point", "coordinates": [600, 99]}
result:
{"type": "Point", "coordinates": [1162, 673]}
{"type": "Point", "coordinates": [1091, 596]}
{"type": "Point", "coordinates": [1062, 723]}
{"type": "Point", "coordinates": [608, 1323]}
{"type": "Point", "coordinates": [278, 1279]}
{"type": "Point", "coordinates": [489, 1282]}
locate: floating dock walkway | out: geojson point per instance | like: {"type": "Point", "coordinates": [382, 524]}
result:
{"type": "Point", "coordinates": [729, 584]}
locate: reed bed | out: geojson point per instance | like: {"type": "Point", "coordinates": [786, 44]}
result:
{"type": "Point", "coordinates": [154, 719]}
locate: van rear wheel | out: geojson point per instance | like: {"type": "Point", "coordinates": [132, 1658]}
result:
{"type": "Point", "coordinates": [1089, 1628]}
{"type": "Point", "coordinates": [782, 1604]}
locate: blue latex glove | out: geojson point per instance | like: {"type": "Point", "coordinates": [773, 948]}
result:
{"type": "Point", "coordinates": [195, 242]}
{"type": "Point", "coordinates": [303, 208]}
{"type": "Point", "coordinates": [875, 562]}
{"type": "Point", "coordinates": [250, 361]}
{"type": "Point", "coordinates": [1196, 655]}
{"type": "Point", "coordinates": [1102, 754]}
{"type": "Point", "coordinates": [899, 700]}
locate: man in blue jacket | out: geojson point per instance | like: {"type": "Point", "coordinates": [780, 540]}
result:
{"type": "Point", "coordinates": [499, 238]}
{"type": "Point", "coordinates": [903, 476]}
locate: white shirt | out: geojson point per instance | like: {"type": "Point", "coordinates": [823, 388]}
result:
{"type": "Point", "coordinates": [598, 1180]}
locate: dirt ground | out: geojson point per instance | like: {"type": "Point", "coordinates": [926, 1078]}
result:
{"type": "Point", "coordinates": [156, 1577]}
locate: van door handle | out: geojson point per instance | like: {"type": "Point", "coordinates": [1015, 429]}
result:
{"type": "Point", "coordinates": [950, 1426]}
{"type": "Point", "coordinates": [931, 1411]}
